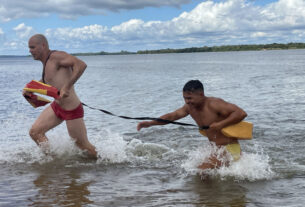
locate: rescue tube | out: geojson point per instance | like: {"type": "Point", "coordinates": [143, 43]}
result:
{"type": "Point", "coordinates": [241, 130]}
{"type": "Point", "coordinates": [42, 88]}
{"type": "Point", "coordinates": [36, 101]}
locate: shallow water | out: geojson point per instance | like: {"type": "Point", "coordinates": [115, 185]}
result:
{"type": "Point", "coordinates": [157, 166]}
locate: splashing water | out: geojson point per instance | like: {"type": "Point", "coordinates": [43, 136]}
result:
{"type": "Point", "coordinates": [251, 166]}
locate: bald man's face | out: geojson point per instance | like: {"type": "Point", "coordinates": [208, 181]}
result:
{"type": "Point", "coordinates": [36, 48]}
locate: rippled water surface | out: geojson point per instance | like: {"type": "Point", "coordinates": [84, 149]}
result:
{"type": "Point", "coordinates": [157, 166]}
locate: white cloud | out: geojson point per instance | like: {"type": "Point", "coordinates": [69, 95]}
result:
{"type": "Point", "coordinates": [283, 14]}
{"type": "Point", "coordinates": [259, 34]}
{"type": "Point", "coordinates": [209, 23]}
{"type": "Point", "coordinates": [15, 45]}
{"type": "Point", "coordinates": [127, 27]}
{"type": "Point", "coordinates": [12, 44]}
{"type": "Point", "coordinates": [71, 9]}
{"type": "Point", "coordinates": [23, 31]}
{"type": "Point", "coordinates": [3, 15]}
{"type": "Point", "coordinates": [85, 33]}
{"type": "Point", "coordinates": [228, 22]}
{"type": "Point", "coordinates": [2, 35]}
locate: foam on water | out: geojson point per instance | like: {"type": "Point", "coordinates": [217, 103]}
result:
{"type": "Point", "coordinates": [17, 146]}
{"type": "Point", "coordinates": [148, 150]}
{"type": "Point", "coordinates": [154, 174]}
{"type": "Point", "coordinates": [21, 149]}
{"type": "Point", "coordinates": [251, 166]}
{"type": "Point", "coordinates": [110, 146]}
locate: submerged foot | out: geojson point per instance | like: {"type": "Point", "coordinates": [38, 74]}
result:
{"type": "Point", "coordinates": [87, 155]}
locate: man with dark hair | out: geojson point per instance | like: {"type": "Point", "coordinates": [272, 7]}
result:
{"type": "Point", "coordinates": [60, 70]}
{"type": "Point", "coordinates": [208, 111]}
{"type": "Point", "coordinates": [193, 85]}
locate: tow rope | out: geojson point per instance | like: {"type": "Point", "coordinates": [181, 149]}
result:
{"type": "Point", "coordinates": [241, 130]}
{"type": "Point", "coordinates": [45, 89]}
{"type": "Point", "coordinates": [145, 118]}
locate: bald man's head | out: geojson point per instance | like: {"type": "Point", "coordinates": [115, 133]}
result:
{"type": "Point", "coordinates": [40, 39]}
{"type": "Point", "coordinates": [39, 46]}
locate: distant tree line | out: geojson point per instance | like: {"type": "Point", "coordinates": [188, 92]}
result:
{"type": "Point", "coordinates": [274, 46]}
{"type": "Point", "coordinates": [224, 48]}
{"type": "Point", "coordinates": [104, 53]}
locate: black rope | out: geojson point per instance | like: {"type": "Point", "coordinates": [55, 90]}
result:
{"type": "Point", "coordinates": [146, 118]}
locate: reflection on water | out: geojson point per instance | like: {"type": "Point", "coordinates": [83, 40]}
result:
{"type": "Point", "coordinates": [60, 187]}
{"type": "Point", "coordinates": [214, 192]}
{"type": "Point", "coordinates": [155, 167]}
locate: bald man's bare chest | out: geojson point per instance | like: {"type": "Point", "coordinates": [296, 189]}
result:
{"type": "Point", "coordinates": [55, 75]}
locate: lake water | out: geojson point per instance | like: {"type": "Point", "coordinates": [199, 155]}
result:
{"type": "Point", "coordinates": [157, 166]}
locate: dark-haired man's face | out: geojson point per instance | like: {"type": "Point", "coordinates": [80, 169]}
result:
{"type": "Point", "coordinates": [193, 99]}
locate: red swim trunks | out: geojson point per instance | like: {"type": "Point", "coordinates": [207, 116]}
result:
{"type": "Point", "coordinates": [76, 113]}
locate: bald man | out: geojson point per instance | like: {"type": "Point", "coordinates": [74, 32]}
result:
{"type": "Point", "coordinates": [60, 70]}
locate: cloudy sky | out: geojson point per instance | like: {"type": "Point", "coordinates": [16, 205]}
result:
{"type": "Point", "coordinates": [132, 25]}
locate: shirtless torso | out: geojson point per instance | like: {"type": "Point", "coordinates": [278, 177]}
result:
{"type": "Point", "coordinates": [206, 111]}
{"type": "Point", "coordinates": [60, 70]}
{"type": "Point", "coordinates": [206, 116]}
{"type": "Point", "coordinates": [57, 74]}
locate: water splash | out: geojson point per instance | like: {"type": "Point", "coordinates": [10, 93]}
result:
{"type": "Point", "coordinates": [251, 166]}
{"type": "Point", "coordinates": [114, 149]}
{"type": "Point", "coordinates": [110, 146]}
{"type": "Point", "coordinates": [148, 150]}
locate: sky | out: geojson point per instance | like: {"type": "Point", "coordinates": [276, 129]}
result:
{"type": "Point", "coordinates": [132, 25]}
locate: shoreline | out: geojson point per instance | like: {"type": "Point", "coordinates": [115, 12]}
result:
{"type": "Point", "coordinates": [223, 48]}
